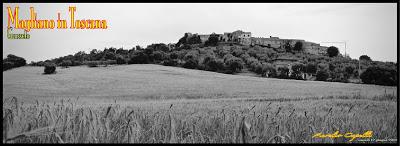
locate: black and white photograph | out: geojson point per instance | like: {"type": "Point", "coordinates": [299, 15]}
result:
{"type": "Point", "coordinates": [212, 73]}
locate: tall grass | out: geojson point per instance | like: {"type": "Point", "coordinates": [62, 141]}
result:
{"type": "Point", "coordinates": [67, 122]}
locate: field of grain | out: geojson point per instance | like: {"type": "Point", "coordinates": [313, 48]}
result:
{"type": "Point", "coordinates": [159, 104]}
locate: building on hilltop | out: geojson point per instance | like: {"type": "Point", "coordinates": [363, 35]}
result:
{"type": "Point", "coordinates": [245, 38]}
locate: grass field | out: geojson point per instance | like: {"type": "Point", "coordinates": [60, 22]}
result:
{"type": "Point", "coordinates": [159, 104]}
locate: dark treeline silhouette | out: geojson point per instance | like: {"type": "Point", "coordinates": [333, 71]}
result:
{"type": "Point", "coordinates": [13, 61]}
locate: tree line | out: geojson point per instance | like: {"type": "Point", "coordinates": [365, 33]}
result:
{"type": "Point", "coordinates": [230, 58]}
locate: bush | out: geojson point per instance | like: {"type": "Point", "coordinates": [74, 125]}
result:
{"type": "Point", "coordinates": [322, 75]}
{"type": "Point", "coordinates": [380, 76]}
{"type": "Point", "coordinates": [49, 68]}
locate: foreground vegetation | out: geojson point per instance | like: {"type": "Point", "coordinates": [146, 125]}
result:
{"type": "Point", "coordinates": [232, 58]}
{"type": "Point", "coordinates": [187, 121]}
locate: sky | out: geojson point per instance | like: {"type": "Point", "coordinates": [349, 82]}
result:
{"type": "Point", "coordinates": [368, 29]}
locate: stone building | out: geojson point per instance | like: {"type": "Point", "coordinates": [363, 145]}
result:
{"type": "Point", "coordinates": [245, 38]}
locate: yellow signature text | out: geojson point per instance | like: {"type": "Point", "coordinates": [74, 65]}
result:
{"type": "Point", "coordinates": [350, 135]}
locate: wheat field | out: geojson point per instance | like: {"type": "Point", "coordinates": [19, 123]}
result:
{"type": "Point", "coordinates": [193, 119]}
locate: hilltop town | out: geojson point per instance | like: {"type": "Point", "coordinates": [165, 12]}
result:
{"type": "Point", "coordinates": [245, 38]}
{"type": "Point", "coordinates": [239, 52]}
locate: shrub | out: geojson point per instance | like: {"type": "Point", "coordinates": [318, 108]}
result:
{"type": "Point", "coordinates": [322, 75]}
{"type": "Point", "coordinates": [49, 68]}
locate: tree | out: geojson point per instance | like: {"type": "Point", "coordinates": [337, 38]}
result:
{"type": "Point", "coordinates": [298, 46]}
{"type": "Point", "coordinates": [234, 64]}
{"type": "Point", "coordinates": [159, 56]}
{"type": "Point", "coordinates": [7, 65]}
{"type": "Point", "coordinates": [66, 63]}
{"type": "Point", "coordinates": [120, 59]}
{"type": "Point", "coordinates": [349, 69]}
{"type": "Point", "coordinates": [13, 61]}
{"type": "Point", "coordinates": [311, 68]}
{"type": "Point", "coordinates": [365, 57]}
{"type": "Point", "coordinates": [158, 47]}
{"type": "Point", "coordinates": [213, 64]}
{"type": "Point", "coordinates": [18, 61]}
{"type": "Point", "coordinates": [265, 69]}
{"type": "Point", "coordinates": [297, 69]}
{"type": "Point", "coordinates": [182, 40]}
{"type": "Point", "coordinates": [332, 51]}
{"type": "Point", "coordinates": [139, 57]}
{"type": "Point", "coordinates": [287, 46]}
{"type": "Point", "coordinates": [380, 75]}
{"type": "Point", "coordinates": [191, 63]}
{"type": "Point", "coordinates": [283, 72]}
{"type": "Point", "coordinates": [322, 75]}
{"type": "Point", "coordinates": [195, 39]}
{"type": "Point", "coordinates": [212, 41]}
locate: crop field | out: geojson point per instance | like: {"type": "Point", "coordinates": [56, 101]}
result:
{"type": "Point", "coordinates": [159, 104]}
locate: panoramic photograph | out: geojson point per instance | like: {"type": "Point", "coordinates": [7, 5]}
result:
{"type": "Point", "coordinates": [200, 73]}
